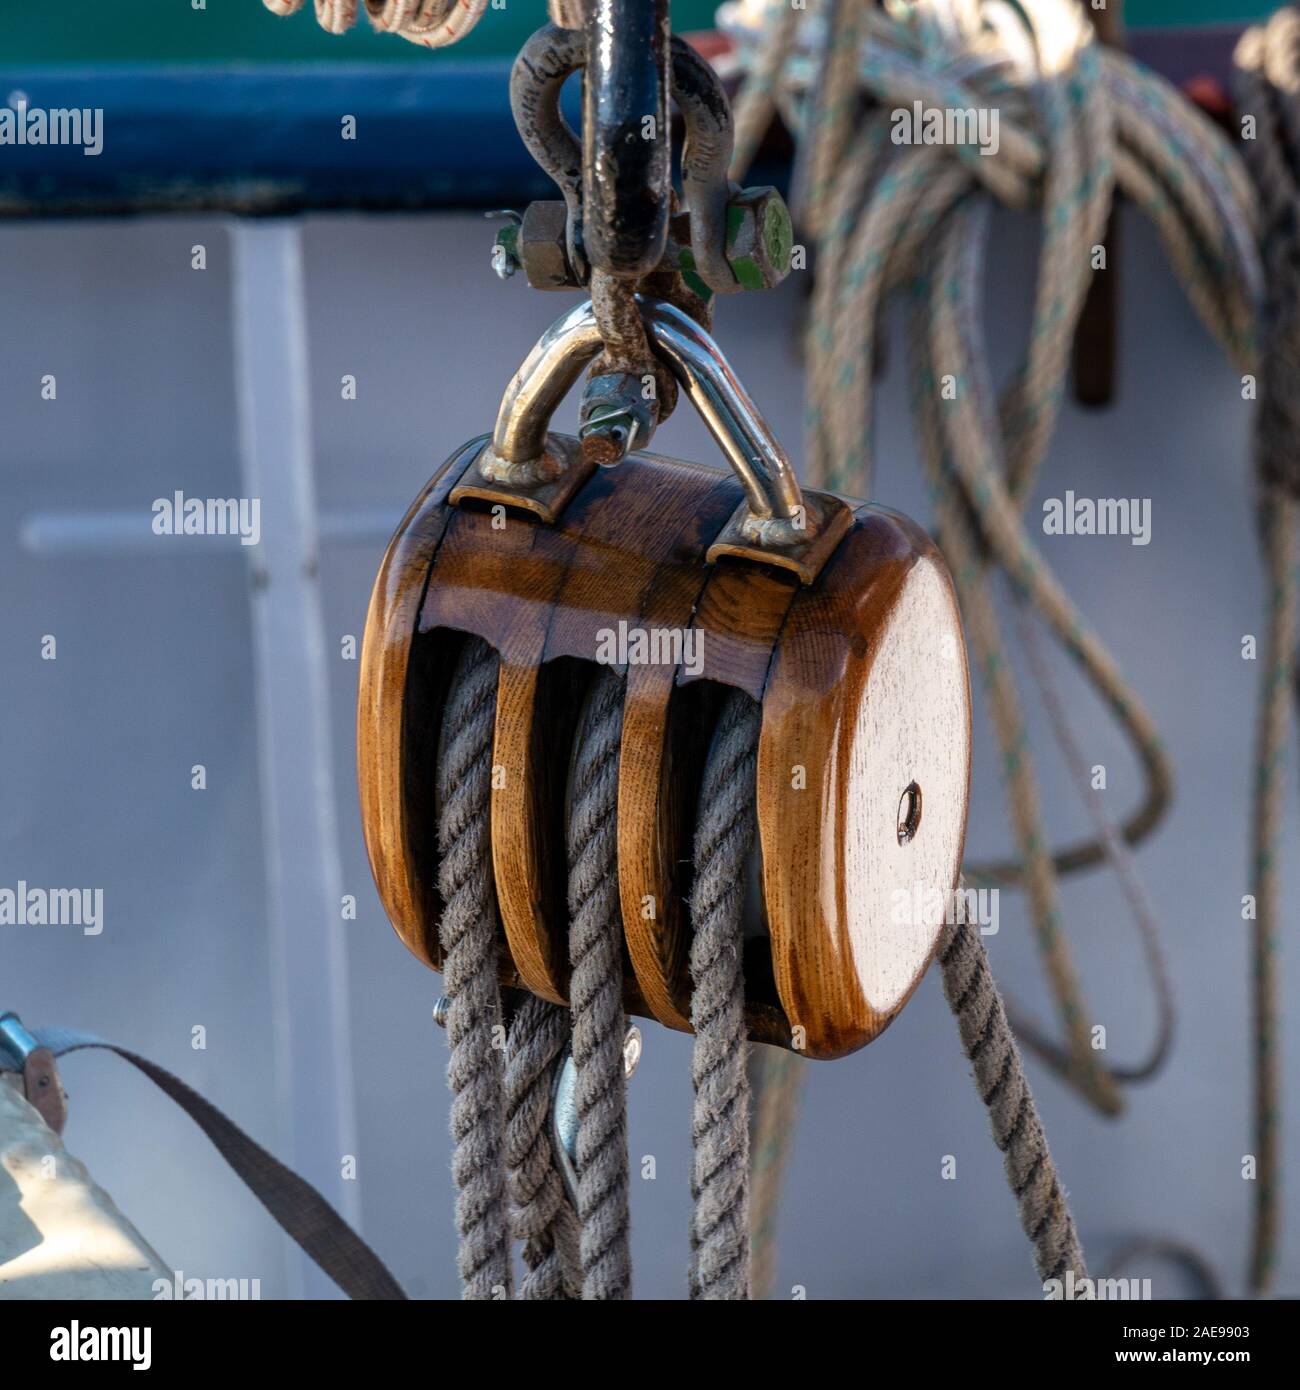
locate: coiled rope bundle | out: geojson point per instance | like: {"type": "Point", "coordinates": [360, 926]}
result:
{"type": "Point", "coordinates": [1076, 124]}
{"type": "Point", "coordinates": [429, 23]}
{"type": "Point", "coordinates": [888, 219]}
{"type": "Point", "coordinates": [1267, 73]}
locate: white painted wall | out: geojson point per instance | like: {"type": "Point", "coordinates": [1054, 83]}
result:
{"type": "Point", "coordinates": [154, 674]}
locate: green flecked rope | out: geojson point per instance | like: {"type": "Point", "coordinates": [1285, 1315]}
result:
{"type": "Point", "coordinates": [775, 1083]}
{"type": "Point", "coordinates": [1267, 78]}
{"type": "Point", "coordinates": [1279, 525]}
{"type": "Point", "coordinates": [1076, 122]}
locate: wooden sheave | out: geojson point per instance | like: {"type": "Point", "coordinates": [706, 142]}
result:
{"type": "Point", "coordinates": [864, 758]}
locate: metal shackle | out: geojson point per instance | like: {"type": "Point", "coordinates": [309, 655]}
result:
{"type": "Point", "coordinates": [518, 452]}
{"type": "Point", "coordinates": [538, 75]}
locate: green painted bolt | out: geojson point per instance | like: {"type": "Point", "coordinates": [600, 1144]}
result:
{"type": "Point", "coordinates": [760, 238]}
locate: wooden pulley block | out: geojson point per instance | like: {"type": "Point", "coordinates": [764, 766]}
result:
{"type": "Point", "coordinates": [838, 618]}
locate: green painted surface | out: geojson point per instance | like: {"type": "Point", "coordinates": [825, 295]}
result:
{"type": "Point", "coordinates": [244, 31]}
{"type": "Point", "coordinates": [238, 31]}
{"type": "Point", "coordinates": [1172, 13]}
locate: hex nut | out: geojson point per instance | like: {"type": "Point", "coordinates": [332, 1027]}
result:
{"type": "Point", "coordinates": [542, 246]}
{"type": "Point", "coordinates": [760, 238]}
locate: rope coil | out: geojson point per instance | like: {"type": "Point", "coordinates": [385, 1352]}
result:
{"type": "Point", "coordinates": [1069, 123]}
{"type": "Point", "coordinates": [1266, 73]}
{"type": "Point", "coordinates": [429, 23]}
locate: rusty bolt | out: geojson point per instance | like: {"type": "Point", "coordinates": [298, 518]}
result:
{"type": "Point", "coordinates": [542, 240]}
{"type": "Point", "coordinates": [760, 237]}
{"type": "Point", "coordinates": [616, 417]}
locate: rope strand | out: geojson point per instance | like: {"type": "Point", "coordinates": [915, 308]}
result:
{"type": "Point", "coordinates": [540, 1215]}
{"type": "Point", "coordinates": [469, 931]}
{"type": "Point", "coordinates": [724, 832]}
{"type": "Point", "coordinates": [596, 995]}
{"type": "Point", "coordinates": [1266, 74]}
{"type": "Point", "coordinates": [1000, 1079]}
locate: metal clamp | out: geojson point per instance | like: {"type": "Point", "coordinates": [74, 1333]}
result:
{"type": "Point", "coordinates": [524, 465]}
{"type": "Point", "coordinates": [22, 1053]}
{"type": "Point", "coordinates": [564, 1109]}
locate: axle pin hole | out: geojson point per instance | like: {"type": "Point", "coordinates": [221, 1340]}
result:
{"type": "Point", "coordinates": [909, 813]}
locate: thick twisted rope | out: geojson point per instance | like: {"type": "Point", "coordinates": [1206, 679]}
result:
{"type": "Point", "coordinates": [469, 931]}
{"type": "Point", "coordinates": [1267, 79]}
{"type": "Point", "coordinates": [596, 995]}
{"type": "Point", "coordinates": [724, 832]}
{"type": "Point", "coordinates": [540, 1215]}
{"type": "Point", "coordinates": [1073, 121]}
{"type": "Point", "coordinates": [1000, 1079]}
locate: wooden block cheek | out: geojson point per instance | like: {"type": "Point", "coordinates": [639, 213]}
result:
{"type": "Point", "coordinates": [395, 829]}
{"type": "Point", "coordinates": [868, 690]}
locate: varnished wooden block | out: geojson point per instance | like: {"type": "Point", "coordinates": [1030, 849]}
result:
{"type": "Point", "coordinates": [863, 760]}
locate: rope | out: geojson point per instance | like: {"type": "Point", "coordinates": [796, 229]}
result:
{"type": "Point", "coordinates": [724, 832]}
{"type": "Point", "coordinates": [1267, 70]}
{"type": "Point", "coordinates": [1173, 1251]}
{"type": "Point", "coordinates": [567, 14]}
{"type": "Point", "coordinates": [1190, 1261]}
{"type": "Point", "coordinates": [469, 931]}
{"type": "Point", "coordinates": [540, 1215]}
{"type": "Point", "coordinates": [501, 1113]}
{"type": "Point", "coordinates": [756, 102]}
{"type": "Point", "coordinates": [1279, 522]}
{"type": "Point", "coordinates": [1000, 1079]}
{"type": "Point", "coordinates": [430, 23]}
{"type": "Point", "coordinates": [1075, 121]}
{"type": "Point", "coordinates": [596, 995]}
{"type": "Point", "coordinates": [960, 543]}
{"type": "Point", "coordinates": [1121, 861]}
{"type": "Point", "coordinates": [775, 1082]}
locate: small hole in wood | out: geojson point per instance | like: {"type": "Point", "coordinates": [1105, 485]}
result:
{"type": "Point", "coordinates": [909, 813]}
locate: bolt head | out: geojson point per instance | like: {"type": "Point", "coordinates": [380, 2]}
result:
{"type": "Point", "coordinates": [760, 238]}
